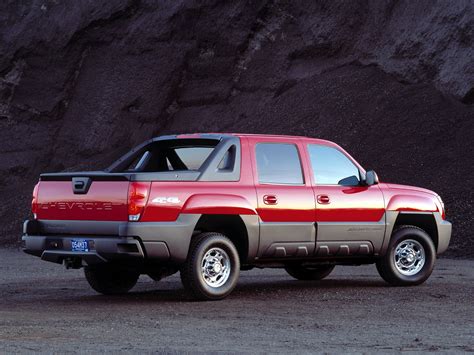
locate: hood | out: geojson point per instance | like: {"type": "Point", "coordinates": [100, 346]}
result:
{"type": "Point", "coordinates": [410, 188]}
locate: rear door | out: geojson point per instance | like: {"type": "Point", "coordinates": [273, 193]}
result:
{"type": "Point", "coordinates": [346, 210]}
{"type": "Point", "coordinates": [285, 198]}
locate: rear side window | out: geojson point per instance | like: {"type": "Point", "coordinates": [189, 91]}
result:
{"type": "Point", "coordinates": [331, 167]}
{"type": "Point", "coordinates": [278, 163]}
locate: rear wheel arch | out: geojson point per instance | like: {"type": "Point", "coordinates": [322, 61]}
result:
{"type": "Point", "coordinates": [232, 226]}
{"type": "Point", "coordinates": [212, 268]}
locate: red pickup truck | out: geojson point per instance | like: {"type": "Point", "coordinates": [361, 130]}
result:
{"type": "Point", "coordinates": [210, 205]}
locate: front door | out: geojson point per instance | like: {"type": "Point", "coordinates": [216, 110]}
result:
{"type": "Point", "coordinates": [286, 204]}
{"type": "Point", "coordinates": [346, 210]}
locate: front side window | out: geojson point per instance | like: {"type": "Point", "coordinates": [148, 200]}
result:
{"type": "Point", "coordinates": [332, 167]}
{"type": "Point", "coordinates": [278, 163]}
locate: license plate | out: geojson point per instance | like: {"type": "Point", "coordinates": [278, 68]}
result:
{"type": "Point", "coordinates": [80, 245]}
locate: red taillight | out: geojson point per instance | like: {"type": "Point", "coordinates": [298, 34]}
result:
{"type": "Point", "coordinates": [137, 199]}
{"type": "Point", "coordinates": [34, 200]}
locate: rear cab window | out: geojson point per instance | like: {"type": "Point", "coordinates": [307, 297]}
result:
{"type": "Point", "coordinates": [193, 157]}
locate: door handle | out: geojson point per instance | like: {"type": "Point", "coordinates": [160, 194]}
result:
{"type": "Point", "coordinates": [323, 199]}
{"type": "Point", "coordinates": [270, 200]}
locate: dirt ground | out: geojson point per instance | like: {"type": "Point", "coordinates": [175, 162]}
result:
{"type": "Point", "coordinates": [45, 308]}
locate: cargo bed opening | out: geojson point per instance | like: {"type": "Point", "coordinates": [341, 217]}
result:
{"type": "Point", "coordinates": [167, 155]}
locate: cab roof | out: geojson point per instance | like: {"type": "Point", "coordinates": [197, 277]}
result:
{"type": "Point", "coordinates": [253, 135]}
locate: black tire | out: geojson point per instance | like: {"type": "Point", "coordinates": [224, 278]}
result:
{"type": "Point", "coordinates": [387, 265]}
{"type": "Point", "coordinates": [301, 272]}
{"type": "Point", "coordinates": [110, 280]}
{"type": "Point", "coordinates": [198, 283]}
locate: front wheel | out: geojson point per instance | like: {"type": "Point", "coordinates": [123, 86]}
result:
{"type": "Point", "coordinates": [111, 280]}
{"type": "Point", "coordinates": [410, 257]}
{"type": "Point", "coordinates": [212, 268]}
{"type": "Point", "coordinates": [301, 272]}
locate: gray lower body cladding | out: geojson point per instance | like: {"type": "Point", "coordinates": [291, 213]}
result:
{"type": "Point", "coordinates": [442, 229]}
{"type": "Point", "coordinates": [101, 249]}
{"type": "Point", "coordinates": [166, 242]}
{"type": "Point", "coordinates": [444, 233]}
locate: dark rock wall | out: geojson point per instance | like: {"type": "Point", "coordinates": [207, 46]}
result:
{"type": "Point", "coordinates": [391, 81]}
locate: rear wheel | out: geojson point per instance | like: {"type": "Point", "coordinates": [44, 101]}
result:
{"type": "Point", "coordinates": [410, 257]}
{"type": "Point", "coordinates": [301, 272]}
{"type": "Point", "coordinates": [212, 268]}
{"type": "Point", "coordinates": [111, 280]}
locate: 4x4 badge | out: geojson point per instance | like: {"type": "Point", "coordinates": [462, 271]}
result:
{"type": "Point", "coordinates": [164, 200]}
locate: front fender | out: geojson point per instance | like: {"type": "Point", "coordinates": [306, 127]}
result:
{"type": "Point", "coordinates": [218, 204]}
{"type": "Point", "coordinates": [412, 203]}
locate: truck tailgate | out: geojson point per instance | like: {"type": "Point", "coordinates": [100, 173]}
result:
{"type": "Point", "coordinates": [103, 201]}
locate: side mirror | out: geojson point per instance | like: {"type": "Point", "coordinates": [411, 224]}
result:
{"type": "Point", "coordinates": [371, 178]}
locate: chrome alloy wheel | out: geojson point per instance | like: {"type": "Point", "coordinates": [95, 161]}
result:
{"type": "Point", "coordinates": [409, 257]}
{"type": "Point", "coordinates": [215, 267]}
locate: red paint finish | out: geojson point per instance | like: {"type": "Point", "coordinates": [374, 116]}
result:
{"type": "Point", "coordinates": [411, 203]}
{"type": "Point", "coordinates": [105, 201]}
{"type": "Point", "coordinates": [349, 204]}
{"type": "Point", "coordinates": [409, 198]}
{"type": "Point", "coordinates": [221, 204]}
{"type": "Point", "coordinates": [294, 203]}
{"type": "Point", "coordinates": [169, 199]}
{"type": "Point", "coordinates": [165, 201]}
{"type": "Point", "coordinates": [287, 203]}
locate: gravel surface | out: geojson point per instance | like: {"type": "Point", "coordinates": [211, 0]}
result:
{"type": "Point", "coordinates": [45, 308]}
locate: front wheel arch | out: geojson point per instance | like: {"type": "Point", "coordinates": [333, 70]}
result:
{"type": "Point", "coordinates": [424, 221]}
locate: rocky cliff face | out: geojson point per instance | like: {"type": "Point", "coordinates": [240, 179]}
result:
{"type": "Point", "coordinates": [392, 81]}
